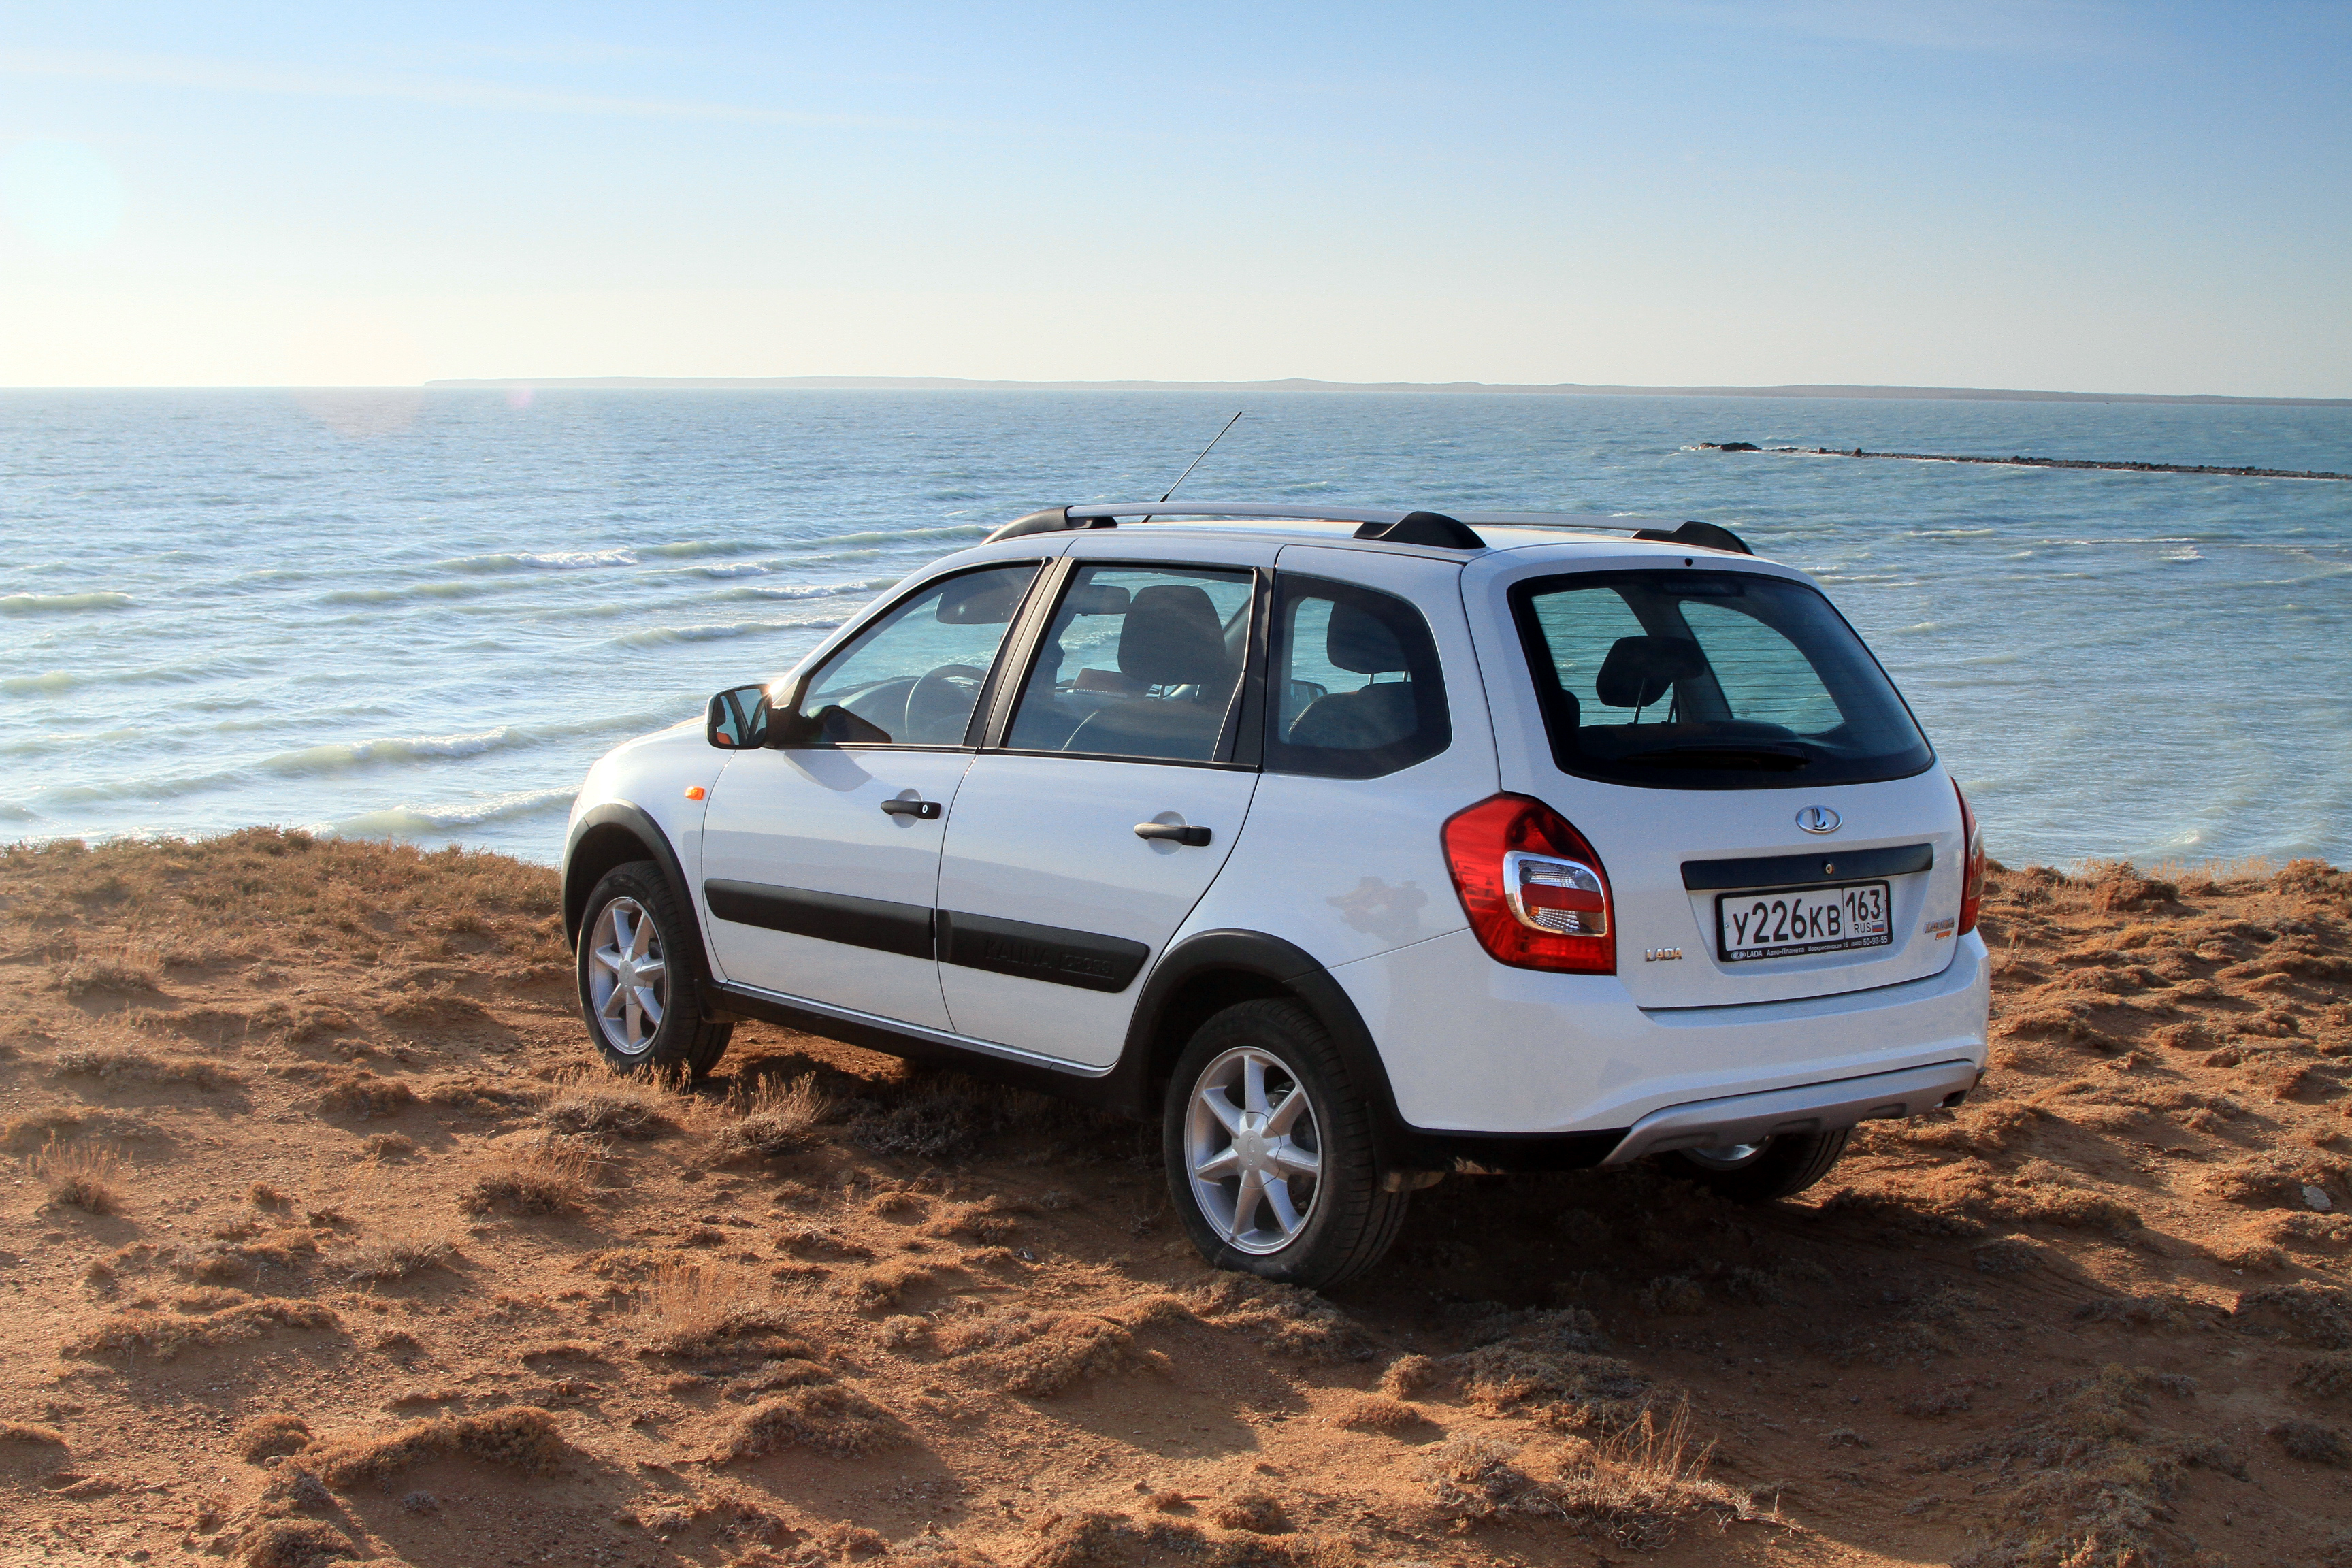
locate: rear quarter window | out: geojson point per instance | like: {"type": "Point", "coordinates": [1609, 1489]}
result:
{"type": "Point", "coordinates": [1699, 679]}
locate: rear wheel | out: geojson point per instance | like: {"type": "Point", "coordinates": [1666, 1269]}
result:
{"type": "Point", "coordinates": [1759, 1172]}
{"type": "Point", "coordinates": [1269, 1150]}
{"type": "Point", "coordinates": [637, 988]}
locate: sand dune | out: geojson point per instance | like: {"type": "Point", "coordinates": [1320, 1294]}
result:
{"type": "Point", "coordinates": [324, 1241]}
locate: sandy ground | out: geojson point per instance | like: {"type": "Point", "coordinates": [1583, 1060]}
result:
{"type": "Point", "coordinates": [318, 1241]}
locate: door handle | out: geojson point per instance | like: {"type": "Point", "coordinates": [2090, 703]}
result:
{"type": "Point", "coordinates": [1174, 832]}
{"type": "Point", "coordinates": [927, 810]}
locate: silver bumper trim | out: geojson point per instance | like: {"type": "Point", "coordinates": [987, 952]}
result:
{"type": "Point", "coordinates": [1808, 1108]}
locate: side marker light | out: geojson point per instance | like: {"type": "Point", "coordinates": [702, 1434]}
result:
{"type": "Point", "coordinates": [695, 792]}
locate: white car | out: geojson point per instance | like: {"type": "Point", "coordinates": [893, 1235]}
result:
{"type": "Point", "coordinates": [1357, 846]}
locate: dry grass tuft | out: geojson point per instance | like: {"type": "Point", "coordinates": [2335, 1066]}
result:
{"type": "Point", "coordinates": [774, 1119]}
{"type": "Point", "coordinates": [522, 1438]}
{"type": "Point", "coordinates": [538, 1178]}
{"type": "Point", "coordinates": [143, 1331]}
{"type": "Point", "coordinates": [2320, 1315]}
{"type": "Point", "coordinates": [828, 1418]}
{"type": "Point", "coordinates": [112, 1066]}
{"type": "Point", "coordinates": [293, 1543]}
{"type": "Point", "coordinates": [692, 1309]}
{"type": "Point", "coordinates": [362, 1093]}
{"type": "Point", "coordinates": [587, 1100]}
{"type": "Point", "coordinates": [2312, 1443]}
{"type": "Point", "coordinates": [85, 975]}
{"type": "Point", "coordinates": [1408, 1375]}
{"type": "Point", "coordinates": [1634, 1488]}
{"type": "Point", "coordinates": [1296, 1322]}
{"type": "Point", "coordinates": [1378, 1413]}
{"type": "Point", "coordinates": [81, 1175]}
{"type": "Point", "coordinates": [1257, 1510]}
{"type": "Point", "coordinates": [388, 1145]}
{"type": "Point", "coordinates": [396, 1257]}
{"type": "Point", "coordinates": [2326, 1376]}
{"type": "Point", "coordinates": [268, 1436]}
{"type": "Point", "coordinates": [31, 1433]}
{"type": "Point", "coordinates": [1040, 1354]}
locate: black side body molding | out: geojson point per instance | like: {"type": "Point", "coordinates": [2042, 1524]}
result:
{"type": "Point", "coordinates": [878, 923]}
{"type": "Point", "coordinates": [1057, 956]}
{"type": "Point", "coordinates": [1771, 871]}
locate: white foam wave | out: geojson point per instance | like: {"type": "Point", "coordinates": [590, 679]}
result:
{"type": "Point", "coordinates": [426, 821]}
{"type": "Point", "coordinates": [548, 561]}
{"type": "Point", "coordinates": [343, 756]}
{"type": "Point", "coordinates": [61, 604]}
{"type": "Point", "coordinates": [655, 637]}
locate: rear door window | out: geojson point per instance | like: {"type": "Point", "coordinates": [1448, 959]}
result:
{"type": "Point", "coordinates": [1355, 685]}
{"type": "Point", "coordinates": [1699, 680]}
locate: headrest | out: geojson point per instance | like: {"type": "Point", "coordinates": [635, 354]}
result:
{"type": "Point", "coordinates": [1172, 638]}
{"type": "Point", "coordinates": [1640, 670]}
{"type": "Point", "coordinates": [1360, 642]}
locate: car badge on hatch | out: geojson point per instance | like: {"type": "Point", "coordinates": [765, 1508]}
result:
{"type": "Point", "coordinates": [1818, 819]}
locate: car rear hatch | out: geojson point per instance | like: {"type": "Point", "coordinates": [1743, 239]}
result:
{"type": "Point", "coordinates": [1770, 821]}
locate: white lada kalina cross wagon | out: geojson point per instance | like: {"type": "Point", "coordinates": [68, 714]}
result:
{"type": "Point", "coordinates": [1357, 847]}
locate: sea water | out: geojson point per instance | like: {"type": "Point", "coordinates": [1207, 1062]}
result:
{"type": "Point", "coordinates": [422, 614]}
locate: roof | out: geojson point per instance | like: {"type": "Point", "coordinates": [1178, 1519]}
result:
{"type": "Point", "coordinates": [1382, 529]}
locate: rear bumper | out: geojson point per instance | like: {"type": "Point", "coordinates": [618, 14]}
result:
{"type": "Point", "coordinates": [1810, 1108]}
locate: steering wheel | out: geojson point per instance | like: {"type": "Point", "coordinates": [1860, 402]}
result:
{"type": "Point", "coordinates": [942, 699]}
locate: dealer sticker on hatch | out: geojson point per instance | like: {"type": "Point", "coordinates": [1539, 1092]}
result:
{"type": "Point", "coordinates": [1813, 919]}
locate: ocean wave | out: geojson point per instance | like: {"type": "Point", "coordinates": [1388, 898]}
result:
{"type": "Point", "coordinates": [341, 755]}
{"type": "Point", "coordinates": [11, 812]}
{"type": "Point", "coordinates": [549, 561]}
{"type": "Point", "coordinates": [41, 685]}
{"type": "Point", "coordinates": [810, 590]}
{"type": "Point", "coordinates": [412, 591]}
{"type": "Point", "coordinates": [655, 637]}
{"type": "Point", "coordinates": [61, 604]}
{"type": "Point", "coordinates": [425, 821]}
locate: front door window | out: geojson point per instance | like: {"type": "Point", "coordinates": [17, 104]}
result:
{"type": "Point", "coordinates": [914, 677]}
{"type": "Point", "coordinates": [1140, 662]}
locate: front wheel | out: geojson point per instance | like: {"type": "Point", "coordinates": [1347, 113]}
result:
{"type": "Point", "coordinates": [636, 984]}
{"type": "Point", "coordinates": [1759, 1173]}
{"type": "Point", "coordinates": [1269, 1150]}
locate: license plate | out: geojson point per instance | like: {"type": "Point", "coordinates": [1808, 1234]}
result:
{"type": "Point", "coordinates": [1783, 924]}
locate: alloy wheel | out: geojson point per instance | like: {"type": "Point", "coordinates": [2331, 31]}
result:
{"type": "Point", "coordinates": [1253, 1149]}
{"type": "Point", "coordinates": [628, 977]}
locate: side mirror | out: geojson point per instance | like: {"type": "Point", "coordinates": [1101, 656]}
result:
{"type": "Point", "coordinates": [740, 718]}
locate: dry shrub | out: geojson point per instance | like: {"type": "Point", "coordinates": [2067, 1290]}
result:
{"type": "Point", "coordinates": [85, 975]}
{"type": "Point", "coordinates": [1378, 1413]}
{"type": "Point", "coordinates": [162, 1335]}
{"type": "Point", "coordinates": [2325, 1376]}
{"type": "Point", "coordinates": [262, 1196]}
{"type": "Point", "coordinates": [1674, 1296]}
{"type": "Point", "coordinates": [935, 1116]}
{"type": "Point", "coordinates": [388, 1145]}
{"type": "Point", "coordinates": [1257, 1510]}
{"type": "Point", "coordinates": [2312, 1443]}
{"type": "Point", "coordinates": [2278, 1176]}
{"type": "Point", "coordinates": [690, 1309]}
{"type": "Point", "coordinates": [884, 1284]}
{"type": "Point", "coordinates": [2319, 1314]}
{"type": "Point", "coordinates": [774, 1119]}
{"type": "Point", "coordinates": [538, 1178]}
{"type": "Point", "coordinates": [268, 1436]}
{"type": "Point", "coordinates": [522, 1438]}
{"type": "Point", "coordinates": [1552, 1363]}
{"type": "Point", "coordinates": [475, 1095]}
{"type": "Point", "coordinates": [1296, 1322]}
{"type": "Point", "coordinates": [587, 1102]}
{"type": "Point", "coordinates": [2249, 1255]}
{"type": "Point", "coordinates": [292, 1543]}
{"type": "Point", "coordinates": [803, 1241]}
{"type": "Point", "coordinates": [80, 1174]}
{"type": "Point", "coordinates": [1408, 1375]}
{"type": "Point", "coordinates": [362, 1093]}
{"type": "Point", "coordinates": [396, 1257]}
{"type": "Point", "coordinates": [828, 1418]}
{"type": "Point", "coordinates": [1043, 1353]}
{"type": "Point", "coordinates": [137, 1067]}
{"type": "Point", "coordinates": [1634, 1488]}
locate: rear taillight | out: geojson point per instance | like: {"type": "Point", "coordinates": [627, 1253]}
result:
{"type": "Point", "coordinates": [1532, 887]}
{"type": "Point", "coordinates": [1973, 883]}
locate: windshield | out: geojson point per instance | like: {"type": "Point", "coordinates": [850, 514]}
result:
{"type": "Point", "coordinates": [1699, 680]}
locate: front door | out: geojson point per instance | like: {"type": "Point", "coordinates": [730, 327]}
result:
{"type": "Point", "coordinates": [821, 862]}
{"type": "Point", "coordinates": [1073, 853]}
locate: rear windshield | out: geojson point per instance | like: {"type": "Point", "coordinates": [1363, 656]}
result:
{"type": "Point", "coordinates": [1699, 680]}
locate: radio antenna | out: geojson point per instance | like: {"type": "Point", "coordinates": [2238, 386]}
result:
{"type": "Point", "coordinates": [1205, 452]}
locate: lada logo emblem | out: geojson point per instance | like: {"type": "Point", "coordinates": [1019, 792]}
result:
{"type": "Point", "coordinates": [1818, 819]}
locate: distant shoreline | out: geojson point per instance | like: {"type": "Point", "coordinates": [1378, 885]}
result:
{"type": "Point", "coordinates": [1565, 388]}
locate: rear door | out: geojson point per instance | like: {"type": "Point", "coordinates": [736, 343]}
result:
{"type": "Point", "coordinates": [820, 861]}
{"type": "Point", "coordinates": [1077, 847]}
{"type": "Point", "coordinates": [1772, 823]}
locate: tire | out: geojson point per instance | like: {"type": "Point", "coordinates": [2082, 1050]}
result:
{"type": "Point", "coordinates": [1776, 1168]}
{"type": "Point", "coordinates": [633, 921]}
{"type": "Point", "coordinates": [1317, 1215]}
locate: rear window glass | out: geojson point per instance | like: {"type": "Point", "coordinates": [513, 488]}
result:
{"type": "Point", "coordinates": [1356, 686]}
{"type": "Point", "coordinates": [1696, 680]}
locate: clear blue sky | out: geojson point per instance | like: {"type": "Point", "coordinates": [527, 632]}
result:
{"type": "Point", "coordinates": [2142, 197]}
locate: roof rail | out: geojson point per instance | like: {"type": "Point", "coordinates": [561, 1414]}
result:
{"type": "Point", "coordinates": [1053, 520]}
{"type": "Point", "coordinates": [1706, 535]}
{"type": "Point", "coordinates": [1429, 527]}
